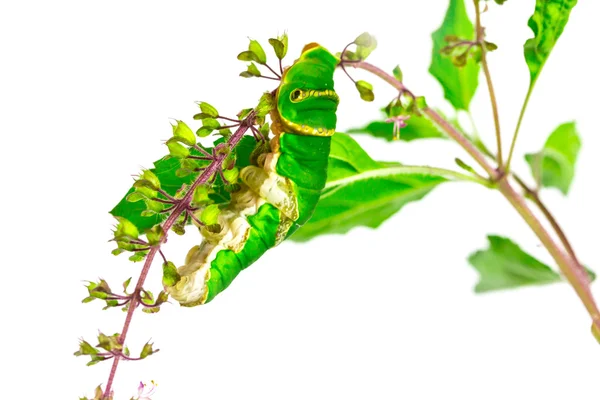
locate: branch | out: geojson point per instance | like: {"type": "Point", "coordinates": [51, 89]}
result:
{"type": "Point", "coordinates": [533, 195]}
{"type": "Point", "coordinates": [568, 265]}
{"type": "Point", "coordinates": [488, 78]}
{"type": "Point", "coordinates": [181, 207]}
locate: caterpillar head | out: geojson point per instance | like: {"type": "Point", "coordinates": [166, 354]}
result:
{"type": "Point", "coordinates": [306, 100]}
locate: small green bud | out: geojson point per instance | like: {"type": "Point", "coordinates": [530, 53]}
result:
{"type": "Point", "coordinates": [257, 49]}
{"type": "Point", "coordinates": [248, 56]}
{"type": "Point", "coordinates": [366, 90]}
{"type": "Point", "coordinates": [244, 113]}
{"type": "Point", "coordinates": [134, 197]}
{"type": "Point", "coordinates": [178, 228]}
{"type": "Point", "coordinates": [147, 350]}
{"type": "Point", "coordinates": [208, 110]}
{"type": "Point", "coordinates": [489, 46]}
{"type": "Point", "coordinates": [450, 39]}
{"type": "Point", "coordinates": [177, 150]}
{"type": "Point", "coordinates": [155, 235]}
{"type": "Point", "coordinates": [85, 349]}
{"type": "Point", "coordinates": [210, 214]}
{"type": "Point", "coordinates": [596, 332]}
{"type": "Point", "coordinates": [264, 129]}
{"type": "Point", "coordinates": [398, 73]}
{"type": "Point", "coordinates": [460, 60]}
{"type": "Point", "coordinates": [138, 256]}
{"type": "Point", "coordinates": [265, 105]}
{"type": "Point", "coordinates": [231, 175]}
{"type": "Point", "coordinates": [253, 70]}
{"type": "Point", "coordinates": [126, 284]}
{"type": "Point", "coordinates": [420, 102]}
{"type": "Point", "coordinates": [109, 343]}
{"type": "Point", "coordinates": [464, 165]}
{"type": "Point", "coordinates": [200, 195]}
{"type": "Point", "coordinates": [278, 47]}
{"type": "Point", "coordinates": [183, 132]}
{"type": "Point", "coordinates": [126, 229]}
{"type": "Point", "coordinates": [365, 44]}
{"type": "Point", "coordinates": [170, 274]}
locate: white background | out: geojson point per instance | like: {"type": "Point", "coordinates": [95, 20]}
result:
{"type": "Point", "coordinates": [86, 93]}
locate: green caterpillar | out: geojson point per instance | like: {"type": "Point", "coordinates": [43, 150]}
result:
{"type": "Point", "coordinates": [280, 193]}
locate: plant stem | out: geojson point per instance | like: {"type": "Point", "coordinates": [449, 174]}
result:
{"type": "Point", "coordinates": [435, 117]}
{"type": "Point", "coordinates": [488, 78]}
{"type": "Point", "coordinates": [533, 195]}
{"type": "Point", "coordinates": [181, 207]}
{"type": "Point", "coordinates": [516, 134]}
{"type": "Point", "coordinates": [568, 265]}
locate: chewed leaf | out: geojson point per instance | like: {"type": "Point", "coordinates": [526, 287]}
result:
{"type": "Point", "coordinates": [459, 82]}
{"type": "Point", "coordinates": [547, 23]}
{"type": "Point", "coordinates": [361, 191]}
{"type": "Point", "coordinates": [166, 170]}
{"type": "Point", "coordinates": [505, 266]}
{"type": "Point", "coordinates": [554, 165]}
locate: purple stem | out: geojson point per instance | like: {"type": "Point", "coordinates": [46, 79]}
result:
{"type": "Point", "coordinates": [181, 207]}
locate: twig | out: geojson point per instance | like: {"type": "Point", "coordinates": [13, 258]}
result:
{"type": "Point", "coordinates": [488, 77]}
{"type": "Point", "coordinates": [568, 265]}
{"type": "Point", "coordinates": [181, 207]}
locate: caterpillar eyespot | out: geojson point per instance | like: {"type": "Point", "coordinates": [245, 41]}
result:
{"type": "Point", "coordinates": [279, 192]}
{"type": "Point", "coordinates": [296, 95]}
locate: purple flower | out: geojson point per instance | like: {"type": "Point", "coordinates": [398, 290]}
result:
{"type": "Point", "coordinates": [145, 391]}
{"type": "Point", "coordinates": [399, 123]}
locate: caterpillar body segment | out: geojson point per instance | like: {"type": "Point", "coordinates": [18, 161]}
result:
{"type": "Point", "coordinates": [280, 194]}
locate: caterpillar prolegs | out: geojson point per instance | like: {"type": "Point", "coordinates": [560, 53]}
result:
{"type": "Point", "coordinates": [280, 193]}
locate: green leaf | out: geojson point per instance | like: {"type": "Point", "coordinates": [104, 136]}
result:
{"type": "Point", "coordinates": [416, 128]}
{"type": "Point", "coordinates": [366, 90]}
{"type": "Point", "coordinates": [505, 266]}
{"type": "Point", "coordinates": [257, 49]}
{"type": "Point", "coordinates": [166, 171]}
{"type": "Point", "coordinates": [459, 83]}
{"type": "Point", "coordinates": [554, 165]}
{"type": "Point", "coordinates": [361, 191]}
{"type": "Point", "coordinates": [547, 23]}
